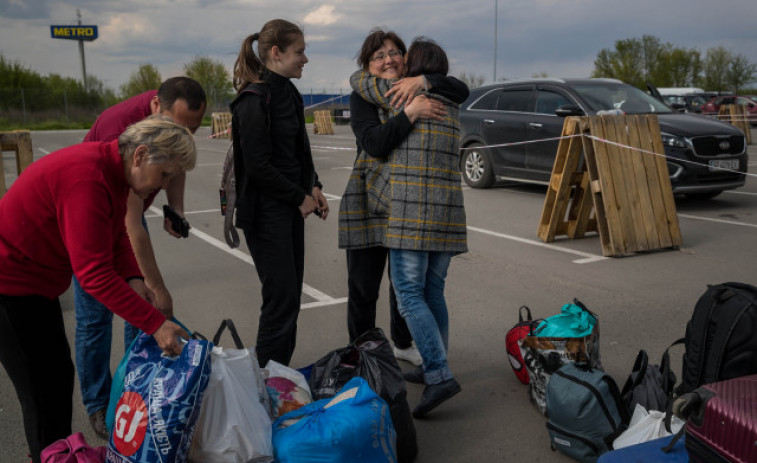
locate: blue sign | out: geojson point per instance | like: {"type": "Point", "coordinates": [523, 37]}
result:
{"type": "Point", "coordinates": [88, 33]}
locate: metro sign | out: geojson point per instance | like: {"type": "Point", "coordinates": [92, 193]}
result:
{"type": "Point", "coordinates": [88, 33]}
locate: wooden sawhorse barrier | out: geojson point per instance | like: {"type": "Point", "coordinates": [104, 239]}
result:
{"type": "Point", "coordinates": [622, 193]}
{"type": "Point", "coordinates": [322, 123]}
{"type": "Point", "coordinates": [736, 115]}
{"type": "Point", "coordinates": [220, 125]}
{"type": "Point", "coordinates": [19, 141]}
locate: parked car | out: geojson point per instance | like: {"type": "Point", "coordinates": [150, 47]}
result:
{"type": "Point", "coordinates": [712, 107]}
{"type": "Point", "coordinates": [534, 109]}
{"type": "Point", "coordinates": [690, 103]}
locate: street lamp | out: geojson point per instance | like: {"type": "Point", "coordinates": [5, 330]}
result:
{"type": "Point", "coordinates": [495, 40]}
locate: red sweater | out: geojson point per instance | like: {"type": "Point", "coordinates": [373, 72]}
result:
{"type": "Point", "coordinates": [65, 213]}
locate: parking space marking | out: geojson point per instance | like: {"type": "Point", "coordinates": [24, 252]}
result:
{"type": "Point", "coordinates": [727, 222]}
{"type": "Point", "coordinates": [587, 257]}
{"type": "Point", "coordinates": [740, 193]}
{"type": "Point", "coordinates": [321, 299]}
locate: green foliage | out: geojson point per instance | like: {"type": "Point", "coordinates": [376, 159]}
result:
{"type": "Point", "coordinates": [214, 78]}
{"type": "Point", "coordinates": [143, 79]}
{"type": "Point", "coordinates": [638, 61]}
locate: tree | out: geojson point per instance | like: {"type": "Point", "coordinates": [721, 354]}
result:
{"type": "Point", "coordinates": [715, 65]}
{"type": "Point", "coordinates": [625, 63]}
{"type": "Point", "coordinates": [145, 78]}
{"type": "Point", "coordinates": [472, 80]}
{"type": "Point", "coordinates": [214, 78]}
{"type": "Point", "coordinates": [739, 73]}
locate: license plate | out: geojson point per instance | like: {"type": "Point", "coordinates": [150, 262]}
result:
{"type": "Point", "coordinates": [730, 164]}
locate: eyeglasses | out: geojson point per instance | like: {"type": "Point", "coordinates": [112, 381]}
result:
{"type": "Point", "coordinates": [391, 54]}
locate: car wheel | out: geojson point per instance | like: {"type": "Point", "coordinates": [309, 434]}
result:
{"type": "Point", "coordinates": [703, 196]}
{"type": "Point", "coordinates": [476, 167]}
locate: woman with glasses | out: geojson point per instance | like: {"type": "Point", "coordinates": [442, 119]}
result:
{"type": "Point", "coordinates": [360, 233]}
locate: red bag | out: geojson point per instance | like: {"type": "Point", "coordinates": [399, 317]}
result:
{"type": "Point", "coordinates": [73, 449]}
{"type": "Point", "coordinates": [516, 333]}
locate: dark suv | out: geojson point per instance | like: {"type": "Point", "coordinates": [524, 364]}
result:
{"type": "Point", "coordinates": [507, 113]}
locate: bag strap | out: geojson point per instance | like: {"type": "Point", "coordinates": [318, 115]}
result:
{"type": "Point", "coordinates": [54, 451]}
{"type": "Point", "coordinates": [520, 314]}
{"type": "Point", "coordinates": [227, 323]}
{"type": "Point", "coordinates": [668, 388]}
{"type": "Point", "coordinates": [534, 325]}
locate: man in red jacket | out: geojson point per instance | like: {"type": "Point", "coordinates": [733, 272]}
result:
{"type": "Point", "coordinates": [183, 100]}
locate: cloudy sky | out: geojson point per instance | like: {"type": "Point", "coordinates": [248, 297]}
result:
{"type": "Point", "coordinates": [557, 37]}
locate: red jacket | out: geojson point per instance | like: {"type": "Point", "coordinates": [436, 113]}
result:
{"type": "Point", "coordinates": [65, 213]}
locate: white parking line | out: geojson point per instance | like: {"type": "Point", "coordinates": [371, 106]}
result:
{"type": "Point", "coordinates": [728, 222]}
{"type": "Point", "coordinates": [321, 299]}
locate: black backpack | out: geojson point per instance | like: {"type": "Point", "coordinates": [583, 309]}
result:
{"type": "Point", "coordinates": [649, 385]}
{"type": "Point", "coordinates": [721, 337]}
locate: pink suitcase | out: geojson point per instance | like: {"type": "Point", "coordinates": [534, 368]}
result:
{"type": "Point", "coordinates": [722, 422]}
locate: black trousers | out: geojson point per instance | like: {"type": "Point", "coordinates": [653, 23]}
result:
{"type": "Point", "coordinates": [35, 353]}
{"type": "Point", "coordinates": [365, 269]}
{"type": "Point", "coordinates": [277, 246]}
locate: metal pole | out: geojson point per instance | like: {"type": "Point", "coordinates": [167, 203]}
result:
{"type": "Point", "coordinates": [81, 54]}
{"type": "Point", "coordinates": [23, 104]}
{"type": "Point", "coordinates": [495, 40]}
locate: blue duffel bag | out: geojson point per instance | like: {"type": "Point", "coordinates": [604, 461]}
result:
{"type": "Point", "coordinates": [355, 425]}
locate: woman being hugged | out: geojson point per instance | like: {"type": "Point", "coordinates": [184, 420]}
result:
{"type": "Point", "coordinates": [276, 183]}
{"type": "Point", "coordinates": [360, 233]}
{"type": "Point", "coordinates": [426, 224]}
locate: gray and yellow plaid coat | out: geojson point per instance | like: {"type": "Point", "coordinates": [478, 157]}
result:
{"type": "Point", "coordinates": [421, 207]}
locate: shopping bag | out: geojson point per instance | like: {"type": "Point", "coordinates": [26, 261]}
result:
{"type": "Point", "coordinates": [353, 426]}
{"type": "Point", "coordinates": [543, 355]}
{"type": "Point", "coordinates": [234, 425]}
{"type": "Point", "coordinates": [646, 425]}
{"type": "Point", "coordinates": [287, 388]}
{"type": "Point", "coordinates": [72, 449]}
{"type": "Point", "coordinates": [117, 384]}
{"type": "Point", "coordinates": [370, 357]}
{"type": "Point", "coordinates": [158, 408]}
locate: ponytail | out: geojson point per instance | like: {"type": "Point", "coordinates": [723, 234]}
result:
{"type": "Point", "coordinates": [248, 68]}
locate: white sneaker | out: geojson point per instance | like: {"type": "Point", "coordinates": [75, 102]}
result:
{"type": "Point", "coordinates": [410, 354]}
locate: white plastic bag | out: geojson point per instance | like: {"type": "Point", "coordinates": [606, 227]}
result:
{"type": "Point", "coordinates": [234, 425]}
{"type": "Point", "coordinates": [645, 426]}
{"type": "Point", "coordinates": [287, 388]}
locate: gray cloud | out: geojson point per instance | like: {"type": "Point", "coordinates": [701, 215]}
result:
{"type": "Point", "coordinates": [553, 36]}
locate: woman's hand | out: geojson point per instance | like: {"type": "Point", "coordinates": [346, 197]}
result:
{"type": "Point", "coordinates": [405, 90]}
{"type": "Point", "coordinates": [308, 206]}
{"type": "Point", "coordinates": [323, 205]}
{"type": "Point", "coordinates": [167, 337]}
{"type": "Point", "coordinates": [423, 107]}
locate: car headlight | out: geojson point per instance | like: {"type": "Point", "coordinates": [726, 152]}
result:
{"type": "Point", "coordinates": [673, 140]}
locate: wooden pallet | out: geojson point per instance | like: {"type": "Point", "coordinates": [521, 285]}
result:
{"type": "Point", "coordinates": [322, 123]}
{"type": "Point", "coordinates": [220, 126]}
{"type": "Point", "coordinates": [629, 186]}
{"type": "Point", "coordinates": [736, 115]}
{"type": "Point", "coordinates": [19, 141]}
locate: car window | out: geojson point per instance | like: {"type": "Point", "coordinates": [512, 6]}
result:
{"type": "Point", "coordinates": [488, 101]}
{"type": "Point", "coordinates": [548, 101]}
{"type": "Point", "coordinates": [514, 100]}
{"type": "Point", "coordinates": [600, 96]}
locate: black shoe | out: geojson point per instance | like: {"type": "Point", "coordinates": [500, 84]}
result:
{"type": "Point", "coordinates": [97, 420]}
{"type": "Point", "coordinates": [434, 395]}
{"type": "Point", "coordinates": [414, 376]}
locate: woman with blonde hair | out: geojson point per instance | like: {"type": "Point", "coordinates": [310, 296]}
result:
{"type": "Point", "coordinates": [276, 183]}
{"type": "Point", "coordinates": [65, 215]}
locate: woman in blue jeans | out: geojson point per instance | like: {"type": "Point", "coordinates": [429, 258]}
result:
{"type": "Point", "coordinates": [426, 223]}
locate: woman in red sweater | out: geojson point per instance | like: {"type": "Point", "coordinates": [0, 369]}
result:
{"type": "Point", "coordinates": [65, 214]}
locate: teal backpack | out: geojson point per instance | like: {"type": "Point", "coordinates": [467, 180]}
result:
{"type": "Point", "coordinates": [585, 412]}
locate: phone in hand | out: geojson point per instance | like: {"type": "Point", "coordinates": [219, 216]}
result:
{"type": "Point", "coordinates": [178, 223]}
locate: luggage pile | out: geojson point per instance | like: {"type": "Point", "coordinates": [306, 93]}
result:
{"type": "Point", "coordinates": [710, 416]}
{"type": "Point", "coordinates": [216, 405]}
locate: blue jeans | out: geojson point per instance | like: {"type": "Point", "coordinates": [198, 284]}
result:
{"type": "Point", "coordinates": [418, 278]}
{"type": "Point", "coordinates": [94, 325]}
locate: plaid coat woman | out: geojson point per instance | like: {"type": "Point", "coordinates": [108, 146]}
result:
{"type": "Point", "coordinates": [416, 192]}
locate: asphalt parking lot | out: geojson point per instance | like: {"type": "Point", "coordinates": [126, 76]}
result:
{"type": "Point", "coordinates": [643, 301]}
